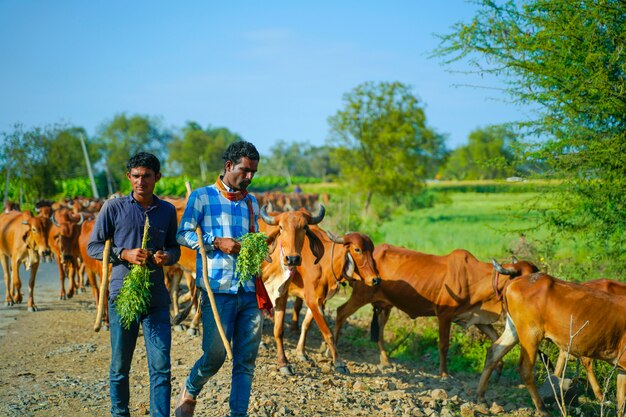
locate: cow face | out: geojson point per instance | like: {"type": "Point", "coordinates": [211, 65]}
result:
{"type": "Point", "coordinates": [516, 269]}
{"type": "Point", "coordinates": [64, 233]}
{"type": "Point", "coordinates": [359, 263]}
{"type": "Point", "coordinates": [36, 234]}
{"type": "Point", "coordinates": [292, 227]}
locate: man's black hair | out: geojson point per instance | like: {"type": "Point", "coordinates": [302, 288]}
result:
{"type": "Point", "coordinates": [146, 160]}
{"type": "Point", "coordinates": [240, 149]}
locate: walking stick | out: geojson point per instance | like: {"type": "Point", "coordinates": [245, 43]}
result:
{"type": "Point", "coordinates": [205, 279]}
{"type": "Point", "coordinates": [104, 285]}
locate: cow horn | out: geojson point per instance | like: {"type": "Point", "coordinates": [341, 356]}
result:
{"type": "Point", "coordinates": [334, 238]}
{"type": "Point", "coordinates": [319, 216]}
{"type": "Point", "coordinates": [266, 217]}
{"type": "Point", "coordinates": [54, 221]}
{"type": "Point", "coordinates": [82, 219]}
{"type": "Point", "coordinates": [502, 269]}
{"type": "Point", "coordinates": [514, 259]}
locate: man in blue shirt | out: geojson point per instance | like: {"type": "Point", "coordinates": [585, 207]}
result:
{"type": "Point", "coordinates": [122, 221]}
{"type": "Point", "coordinates": [225, 212]}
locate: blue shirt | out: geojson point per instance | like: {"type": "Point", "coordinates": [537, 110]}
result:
{"type": "Point", "coordinates": [122, 221]}
{"type": "Point", "coordinates": [217, 217]}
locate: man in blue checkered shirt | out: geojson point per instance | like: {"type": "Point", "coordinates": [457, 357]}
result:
{"type": "Point", "coordinates": [225, 212]}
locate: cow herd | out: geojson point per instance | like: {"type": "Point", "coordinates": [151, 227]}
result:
{"type": "Point", "coordinates": [309, 263]}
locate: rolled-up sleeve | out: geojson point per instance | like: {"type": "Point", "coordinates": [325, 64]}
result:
{"type": "Point", "coordinates": [192, 217]}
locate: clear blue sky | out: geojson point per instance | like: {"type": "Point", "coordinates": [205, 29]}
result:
{"type": "Point", "coordinates": [269, 71]}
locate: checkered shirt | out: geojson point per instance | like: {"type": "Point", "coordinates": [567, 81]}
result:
{"type": "Point", "coordinates": [218, 217]}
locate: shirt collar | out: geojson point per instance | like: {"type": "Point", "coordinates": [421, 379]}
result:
{"type": "Point", "coordinates": [155, 200]}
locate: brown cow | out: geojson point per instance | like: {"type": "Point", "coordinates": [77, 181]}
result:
{"type": "Point", "coordinates": [92, 268]}
{"type": "Point", "coordinates": [610, 287]}
{"type": "Point", "coordinates": [24, 239]}
{"type": "Point", "coordinates": [63, 240]}
{"type": "Point", "coordinates": [539, 306]}
{"type": "Point", "coordinates": [455, 288]}
{"type": "Point", "coordinates": [286, 234]}
{"type": "Point", "coordinates": [346, 258]}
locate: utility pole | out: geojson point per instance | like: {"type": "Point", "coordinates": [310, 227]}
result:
{"type": "Point", "coordinates": [94, 189]}
{"type": "Point", "coordinates": [6, 187]}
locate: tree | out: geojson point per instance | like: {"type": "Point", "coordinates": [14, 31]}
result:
{"type": "Point", "coordinates": [24, 157]}
{"type": "Point", "coordinates": [567, 59]}
{"type": "Point", "coordinates": [488, 155]}
{"type": "Point", "coordinates": [298, 159]}
{"type": "Point", "coordinates": [383, 145]}
{"type": "Point", "coordinates": [124, 136]}
{"type": "Point", "coordinates": [198, 152]}
{"type": "Point", "coordinates": [36, 158]}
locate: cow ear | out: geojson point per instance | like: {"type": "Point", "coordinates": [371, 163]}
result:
{"type": "Point", "coordinates": [317, 247]}
{"type": "Point", "coordinates": [271, 240]}
{"type": "Point", "coordinates": [349, 266]}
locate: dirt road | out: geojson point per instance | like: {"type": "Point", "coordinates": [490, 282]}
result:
{"type": "Point", "coordinates": [54, 364]}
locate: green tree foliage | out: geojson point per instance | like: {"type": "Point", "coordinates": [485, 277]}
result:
{"type": "Point", "coordinates": [65, 156]}
{"type": "Point", "coordinates": [488, 155]}
{"type": "Point", "coordinates": [566, 58]}
{"type": "Point", "coordinates": [383, 145]}
{"type": "Point", "coordinates": [124, 136]}
{"type": "Point", "coordinates": [197, 152]}
{"type": "Point", "coordinates": [40, 158]}
{"type": "Point", "coordinates": [298, 159]}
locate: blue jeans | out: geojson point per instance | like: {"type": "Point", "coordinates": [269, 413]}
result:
{"type": "Point", "coordinates": [242, 322]}
{"type": "Point", "coordinates": [157, 335]}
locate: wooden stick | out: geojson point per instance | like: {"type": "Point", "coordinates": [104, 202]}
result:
{"type": "Point", "coordinates": [104, 285]}
{"type": "Point", "coordinates": [205, 279]}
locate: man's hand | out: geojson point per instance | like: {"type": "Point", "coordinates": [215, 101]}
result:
{"type": "Point", "coordinates": [160, 258]}
{"type": "Point", "coordinates": [227, 245]}
{"type": "Point", "coordinates": [136, 256]}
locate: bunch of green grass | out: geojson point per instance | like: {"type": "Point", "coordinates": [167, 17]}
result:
{"type": "Point", "coordinates": [254, 250]}
{"type": "Point", "coordinates": [134, 297]}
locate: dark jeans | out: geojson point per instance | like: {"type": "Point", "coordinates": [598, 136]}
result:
{"type": "Point", "coordinates": [157, 335]}
{"type": "Point", "coordinates": [242, 322]}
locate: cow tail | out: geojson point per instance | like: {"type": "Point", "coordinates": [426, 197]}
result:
{"type": "Point", "coordinates": [374, 327]}
{"type": "Point", "coordinates": [182, 315]}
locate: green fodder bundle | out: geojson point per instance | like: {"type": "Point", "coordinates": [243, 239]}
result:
{"type": "Point", "coordinates": [254, 250]}
{"type": "Point", "coordinates": [134, 297]}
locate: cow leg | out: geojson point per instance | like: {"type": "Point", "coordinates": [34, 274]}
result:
{"type": "Point", "coordinates": [72, 277]}
{"type": "Point", "coordinates": [346, 310]}
{"type": "Point", "coordinates": [70, 280]}
{"type": "Point", "coordinates": [279, 317]}
{"type": "Point", "coordinates": [444, 345]}
{"type": "Point", "coordinates": [383, 317]}
{"type": "Point", "coordinates": [561, 362]}
{"type": "Point", "coordinates": [62, 295]}
{"type": "Point", "coordinates": [495, 353]}
{"type": "Point", "coordinates": [7, 279]}
{"type": "Point", "coordinates": [91, 277]}
{"type": "Point", "coordinates": [489, 331]}
{"type": "Point", "coordinates": [591, 376]}
{"type": "Point", "coordinates": [32, 307]}
{"type": "Point", "coordinates": [306, 324]}
{"type": "Point", "coordinates": [194, 327]}
{"type": "Point", "coordinates": [621, 392]}
{"type": "Point", "coordinates": [295, 315]}
{"type": "Point", "coordinates": [172, 282]}
{"type": "Point", "coordinates": [318, 315]}
{"type": "Point", "coordinates": [16, 283]}
{"type": "Point", "coordinates": [529, 341]}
